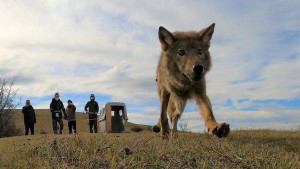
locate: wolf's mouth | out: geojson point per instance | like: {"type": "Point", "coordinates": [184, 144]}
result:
{"type": "Point", "coordinates": [193, 78]}
{"type": "Point", "coordinates": [197, 78]}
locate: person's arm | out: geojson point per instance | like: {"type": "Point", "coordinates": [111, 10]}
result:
{"type": "Point", "coordinates": [64, 111]}
{"type": "Point", "coordinates": [86, 106]}
{"type": "Point", "coordinates": [34, 120]}
{"type": "Point", "coordinates": [63, 108]}
{"type": "Point", "coordinates": [23, 110]}
{"type": "Point", "coordinates": [74, 109]}
{"type": "Point", "coordinates": [97, 107]}
{"type": "Point", "coordinates": [51, 108]}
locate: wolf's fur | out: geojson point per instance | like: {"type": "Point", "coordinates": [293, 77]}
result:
{"type": "Point", "coordinates": [181, 71]}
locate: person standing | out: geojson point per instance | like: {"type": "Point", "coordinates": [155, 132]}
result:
{"type": "Point", "coordinates": [92, 109]}
{"type": "Point", "coordinates": [71, 109]}
{"type": "Point", "coordinates": [57, 108]}
{"type": "Point", "coordinates": [29, 117]}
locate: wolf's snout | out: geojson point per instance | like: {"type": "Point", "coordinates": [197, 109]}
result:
{"type": "Point", "coordinates": [198, 69]}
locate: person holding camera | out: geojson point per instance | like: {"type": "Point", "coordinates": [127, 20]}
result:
{"type": "Point", "coordinates": [57, 109]}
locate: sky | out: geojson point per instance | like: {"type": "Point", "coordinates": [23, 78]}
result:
{"type": "Point", "coordinates": [111, 49]}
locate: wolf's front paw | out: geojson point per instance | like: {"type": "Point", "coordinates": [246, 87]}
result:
{"type": "Point", "coordinates": [156, 129]}
{"type": "Point", "coordinates": [221, 130]}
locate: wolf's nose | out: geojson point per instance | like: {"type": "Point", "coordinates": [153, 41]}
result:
{"type": "Point", "coordinates": [198, 69]}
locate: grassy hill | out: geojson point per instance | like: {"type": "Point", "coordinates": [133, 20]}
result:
{"type": "Point", "coordinates": [44, 122]}
{"type": "Point", "coordinates": [241, 149]}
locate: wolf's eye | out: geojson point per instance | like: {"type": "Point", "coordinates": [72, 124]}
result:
{"type": "Point", "coordinates": [200, 52]}
{"type": "Point", "coordinates": [181, 52]}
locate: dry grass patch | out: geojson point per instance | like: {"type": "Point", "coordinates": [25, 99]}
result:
{"type": "Point", "coordinates": [242, 149]}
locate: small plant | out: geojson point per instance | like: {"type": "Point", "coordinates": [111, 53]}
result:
{"type": "Point", "coordinates": [184, 125]}
{"type": "Point", "coordinates": [8, 104]}
{"type": "Point", "coordinates": [43, 131]}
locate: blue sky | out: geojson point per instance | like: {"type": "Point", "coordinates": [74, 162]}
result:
{"type": "Point", "coordinates": [111, 49]}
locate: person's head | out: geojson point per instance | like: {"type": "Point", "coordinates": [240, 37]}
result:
{"type": "Point", "coordinates": [70, 102]}
{"type": "Point", "coordinates": [92, 97]}
{"type": "Point", "coordinates": [27, 103]}
{"type": "Point", "coordinates": [56, 96]}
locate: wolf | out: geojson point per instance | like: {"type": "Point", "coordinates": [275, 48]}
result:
{"type": "Point", "coordinates": [183, 64]}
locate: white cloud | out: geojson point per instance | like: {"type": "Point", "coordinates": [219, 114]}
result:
{"type": "Point", "coordinates": [111, 47]}
{"type": "Point", "coordinates": [279, 80]}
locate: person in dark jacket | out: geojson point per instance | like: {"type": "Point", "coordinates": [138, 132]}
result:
{"type": "Point", "coordinates": [92, 109]}
{"type": "Point", "coordinates": [57, 108]}
{"type": "Point", "coordinates": [71, 109]}
{"type": "Point", "coordinates": [29, 117]}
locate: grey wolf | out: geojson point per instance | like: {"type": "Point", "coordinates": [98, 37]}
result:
{"type": "Point", "coordinates": [184, 62]}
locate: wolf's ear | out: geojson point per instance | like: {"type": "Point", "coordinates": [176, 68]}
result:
{"type": "Point", "coordinates": [206, 34]}
{"type": "Point", "coordinates": [165, 37]}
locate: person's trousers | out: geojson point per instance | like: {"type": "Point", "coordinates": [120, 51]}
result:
{"type": "Point", "coordinates": [72, 125]}
{"type": "Point", "coordinates": [55, 127]}
{"type": "Point", "coordinates": [93, 123]}
{"type": "Point", "coordinates": [29, 125]}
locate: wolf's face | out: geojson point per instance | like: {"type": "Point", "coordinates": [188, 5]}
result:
{"type": "Point", "coordinates": [191, 57]}
{"type": "Point", "coordinates": [188, 51]}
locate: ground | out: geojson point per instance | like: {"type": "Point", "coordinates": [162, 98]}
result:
{"type": "Point", "coordinates": [146, 149]}
{"type": "Point", "coordinates": [241, 149]}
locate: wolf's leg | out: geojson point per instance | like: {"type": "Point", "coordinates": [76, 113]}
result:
{"type": "Point", "coordinates": [205, 107]}
{"type": "Point", "coordinates": [164, 124]}
{"type": "Point", "coordinates": [176, 107]}
{"type": "Point", "coordinates": [222, 129]}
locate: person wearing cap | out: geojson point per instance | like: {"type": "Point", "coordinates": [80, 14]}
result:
{"type": "Point", "coordinates": [92, 109]}
{"type": "Point", "coordinates": [57, 108]}
{"type": "Point", "coordinates": [71, 109]}
{"type": "Point", "coordinates": [29, 117]}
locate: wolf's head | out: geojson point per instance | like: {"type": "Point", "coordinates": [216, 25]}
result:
{"type": "Point", "coordinates": [187, 50]}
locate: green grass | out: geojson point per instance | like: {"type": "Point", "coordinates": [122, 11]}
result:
{"type": "Point", "coordinates": [241, 149]}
